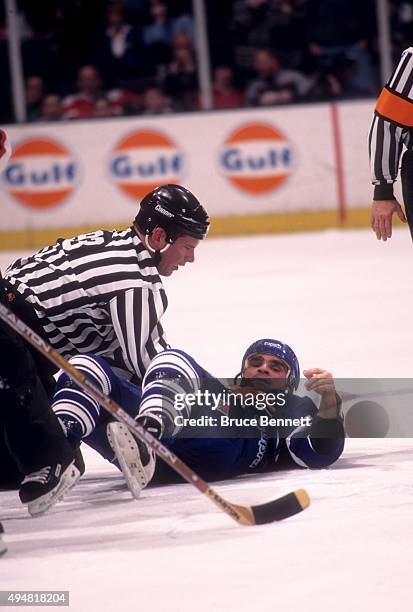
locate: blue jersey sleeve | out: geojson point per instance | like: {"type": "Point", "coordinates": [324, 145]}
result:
{"type": "Point", "coordinates": [318, 445]}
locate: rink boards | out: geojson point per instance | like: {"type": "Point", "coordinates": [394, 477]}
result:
{"type": "Point", "coordinates": [293, 168]}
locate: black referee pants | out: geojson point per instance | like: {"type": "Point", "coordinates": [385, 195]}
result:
{"type": "Point", "coordinates": [30, 434]}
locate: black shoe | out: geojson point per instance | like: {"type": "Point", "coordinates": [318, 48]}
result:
{"type": "Point", "coordinates": [42, 489]}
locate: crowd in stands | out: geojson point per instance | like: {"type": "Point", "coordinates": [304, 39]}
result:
{"type": "Point", "coordinates": [107, 58]}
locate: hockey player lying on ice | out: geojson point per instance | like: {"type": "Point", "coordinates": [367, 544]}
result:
{"type": "Point", "coordinates": [258, 424]}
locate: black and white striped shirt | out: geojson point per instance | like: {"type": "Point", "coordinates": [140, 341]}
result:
{"type": "Point", "coordinates": [97, 293]}
{"type": "Point", "coordinates": [392, 127]}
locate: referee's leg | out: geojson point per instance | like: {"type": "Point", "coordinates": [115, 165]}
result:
{"type": "Point", "coordinates": [30, 434]}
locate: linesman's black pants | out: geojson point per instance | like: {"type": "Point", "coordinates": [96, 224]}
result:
{"type": "Point", "coordinates": [30, 434]}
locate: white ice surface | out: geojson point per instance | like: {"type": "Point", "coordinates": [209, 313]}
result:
{"type": "Point", "coordinates": [343, 301]}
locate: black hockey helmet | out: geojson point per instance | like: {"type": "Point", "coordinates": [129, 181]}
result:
{"type": "Point", "coordinates": [176, 210]}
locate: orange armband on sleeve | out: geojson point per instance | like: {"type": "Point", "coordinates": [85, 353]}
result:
{"type": "Point", "coordinates": [395, 108]}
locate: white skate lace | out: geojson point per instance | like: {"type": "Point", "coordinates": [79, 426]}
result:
{"type": "Point", "coordinates": [39, 476]}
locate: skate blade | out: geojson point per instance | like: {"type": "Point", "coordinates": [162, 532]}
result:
{"type": "Point", "coordinates": [126, 450]}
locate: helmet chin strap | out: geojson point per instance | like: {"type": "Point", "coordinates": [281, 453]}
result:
{"type": "Point", "coordinates": [148, 246]}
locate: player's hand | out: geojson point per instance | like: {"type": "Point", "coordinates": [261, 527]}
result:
{"type": "Point", "coordinates": [381, 217]}
{"type": "Point", "coordinates": [322, 382]}
{"type": "Point", "coordinates": [319, 380]}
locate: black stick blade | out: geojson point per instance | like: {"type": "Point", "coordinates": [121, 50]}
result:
{"type": "Point", "coordinates": [281, 508]}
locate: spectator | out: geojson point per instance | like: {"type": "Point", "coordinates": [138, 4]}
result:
{"type": "Point", "coordinates": [118, 54]}
{"type": "Point", "coordinates": [159, 33]}
{"type": "Point", "coordinates": [225, 94]}
{"type": "Point", "coordinates": [135, 8]}
{"type": "Point", "coordinates": [77, 25]}
{"type": "Point", "coordinates": [251, 27]}
{"type": "Point", "coordinates": [221, 46]}
{"type": "Point", "coordinates": [288, 34]}
{"type": "Point", "coordinates": [337, 83]}
{"type": "Point", "coordinates": [162, 29]}
{"type": "Point", "coordinates": [136, 43]}
{"type": "Point", "coordinates": [351, 87]}
{"type": "Point", "coordinates": [274, 84]}
{"type": "Point", "coordinates": [34, 96]}
{"type": "Point", "coordinates": [157, 38]}
{"type": "Point", "coordinates": [102, 108]}
{"type": "Point", "coordinates": [40, 52]}
{"type": "Point", "coordinates": [155, 102]}
{"type": "Point", "coordinates": [325, 86]}
{"type": "Point", "coordinates": [82, 104]}
{"type": "Point", "coordinates": [51, 108]}
{"type": "Point", "coordinates": [342, 29]}
{"type": "Point", "coordinates": [181, 81]}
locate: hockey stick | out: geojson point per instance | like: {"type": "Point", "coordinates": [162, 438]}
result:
{"type": "Point", "coordinates": [275, 510]}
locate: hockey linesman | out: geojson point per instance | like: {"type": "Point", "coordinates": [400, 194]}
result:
{"type": "Point", "coordinates": [392, 127]}
{"type": "Point", "coordinates": [211, 449]}
{"type": "Point", "coordinates": [102, 291]}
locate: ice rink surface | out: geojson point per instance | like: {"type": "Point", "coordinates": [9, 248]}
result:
{"type": "Point", "coordinates": [343, 301]}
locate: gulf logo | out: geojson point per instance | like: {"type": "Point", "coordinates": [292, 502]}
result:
{"type": "Point", "coordinates": [256, 158]}
{"type": "Point", "coordinates": [145, 159]}
{"type": "Point", "coordinates": [41, 173]}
